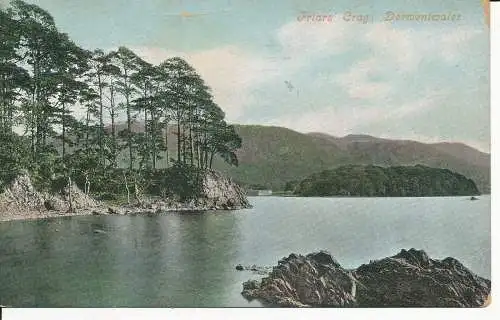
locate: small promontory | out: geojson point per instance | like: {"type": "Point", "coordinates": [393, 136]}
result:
{"type": "Point", "coordinates": [20, 199]}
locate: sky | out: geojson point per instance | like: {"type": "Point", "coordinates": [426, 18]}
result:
{"type": "Point", "coordinates": [363, 72]}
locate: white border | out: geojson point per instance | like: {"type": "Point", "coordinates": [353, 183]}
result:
{"type": "Point", "coordinates": [290, 314]}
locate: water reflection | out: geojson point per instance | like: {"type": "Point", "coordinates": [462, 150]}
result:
{"type": "Point", "coordinates": [178, 260]}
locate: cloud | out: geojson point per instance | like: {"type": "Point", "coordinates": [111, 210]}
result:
{"type": "Point", "coordinates": [357, 84]}
{"type": "Point", "coordinates": [235, 74]}
{"type": "Point", "coordinates": [408, 47]}
{"type": "Point", "coordinates": [397, 53]}
{"type": "Point", "coordinates": [228, 70]}
{"type": "Point", "coordinates": [306, 40]}
{"type": "Point", "coordinates": [374, 90]}
{"type": "Point", "coordinates": [401, 46]}
{"type": "Point", "coordinates": [454, 43]}
{"type": "Point", "coordinates": [344, 119]}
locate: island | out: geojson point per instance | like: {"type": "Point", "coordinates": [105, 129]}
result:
{"type": "Point", "coordinates": [376, 181]}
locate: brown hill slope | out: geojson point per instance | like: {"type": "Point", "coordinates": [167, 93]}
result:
{"type": "Point", "coordinates": [273, 155]}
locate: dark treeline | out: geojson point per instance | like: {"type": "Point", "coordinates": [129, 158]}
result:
{"type": "Point", "coordinates": [374, 181]}
{"type": "Point", "coordinates": [45, 78]}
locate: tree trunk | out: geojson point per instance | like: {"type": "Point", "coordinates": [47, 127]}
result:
{"type": "Point", "coordinates": [137, 191]}
{"type": "Point", "coordinates": [126, 187]}
{"type": "Point", "coordinates": [113, 129]}
{"type": "Point", "coordinates": [70, 195]}
{"type": "Point", "coordinates": [87, 184]}
{"type": "Point", "coordinates": [129, 122]}
{"type": "Point", "coordinates": [63, 132]}
{"type": "Point", "coordinates": [211, 159]}
{"type": "Point", "coordinates": [191, 146]}
{"type": "Point", "coordinates": [154, 138]}
{"type": "Point", "coordinates": [87, 122]}
{"type": "Point", "coordinates": [101, 121]}
{"type": "Point", "coordinates": [166, 144]}
{"type": "Point", "coordinates": [146, 153]}
{"type": "Point", "coordinates": [178, 141]}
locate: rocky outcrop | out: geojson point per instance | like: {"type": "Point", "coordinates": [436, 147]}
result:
{"type": "Point", "coordinates": [412, 279]}
{"type": "Point", "coordinates": [21, 195]}
{"type": "Point", "coordinates": [20, 199]}
{"type": "Point", "coordinates": [408, 279]}
{"type": "Point", "coordinates": [218, 193]}
{"type": "Point", "coordinates": [79, 199]}
{"type": "Point", "coordinates": [255, 269]}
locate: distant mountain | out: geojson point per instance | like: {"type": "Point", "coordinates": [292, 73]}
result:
{"type": "Point", "coordinates": [272, 156]}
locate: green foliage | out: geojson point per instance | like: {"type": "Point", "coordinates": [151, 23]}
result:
{"type": "Point", "coordinates": [290, 185]}
{"type": "Point", "coordinates": [185, 182]}
{"type": "Point", "coordinates": [14, 157]}
{"type": "Point", "coordinates": [373, 181]}
{"type": "Point", "coordinates": [44, 75]}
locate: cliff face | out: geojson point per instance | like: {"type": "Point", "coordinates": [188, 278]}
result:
{"type": "Point", "coordinates": [412, 279]}
{"type": "Point", "coordinates": [217, 193]}
{"type": "Point", "coordinates": [408, 279]}
{"type": "Point", "coordinates": [221, 192]}
{"type": "Point", "coordinates": [21, 195]}
{"type": "Point", "coordinates": [21, 199]}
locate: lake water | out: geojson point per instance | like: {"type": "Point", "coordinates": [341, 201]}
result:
{"type": "Point", "coordinates": [179, 260]}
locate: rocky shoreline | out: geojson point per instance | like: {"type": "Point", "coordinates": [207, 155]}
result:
{"type": "Point", "coordinates": [407, 279]}
{"type": "Point", "coordinates": [20, 201]}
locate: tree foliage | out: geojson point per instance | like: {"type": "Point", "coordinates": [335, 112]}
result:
{"type": "Point", "coordinates": [67, 102]}
{"type": "Point", "coordinates": [374, 181]}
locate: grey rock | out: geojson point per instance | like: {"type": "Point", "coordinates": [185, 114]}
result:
{"type": "Point", "coordinates": [113, 210]}
{"type": "Point", "coordinates": [407, 279]}
{"type": "Point", "coordinates": [51, 205]}
{"type": "Point", "coordinates": [255, 269]}
{"type": "Point", "coordinates": [218, 193]}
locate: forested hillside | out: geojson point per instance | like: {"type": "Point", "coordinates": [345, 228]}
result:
{"type": "Point", "coordinates": [272, 156]}
{"type": "Point", "coordinates": [373, 181]}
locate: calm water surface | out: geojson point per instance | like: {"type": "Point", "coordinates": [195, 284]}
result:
{"type": "Point", "coordinates": [176, 260]}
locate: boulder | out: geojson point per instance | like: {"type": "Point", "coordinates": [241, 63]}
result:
{"type": "Point", "coordinates": [412, 279]}
{"type": "Point", "coordinates": [302, 281]}
{"type": "Point", "coordinates": [407, 279]}
{"type": "Point", "coordinates": [113, 210]}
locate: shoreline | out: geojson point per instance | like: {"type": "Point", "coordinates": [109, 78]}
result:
{"type": "Point", "coordinates": [147, 209]}
{"type": "Point", "coordinates": [21, 201]}
{"type": "Point", "coordinates": [106, 211]}
{"type": "Point", "coordinates": [38, 215]}
{"type": "Point", "coordinates": [366, 197]}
